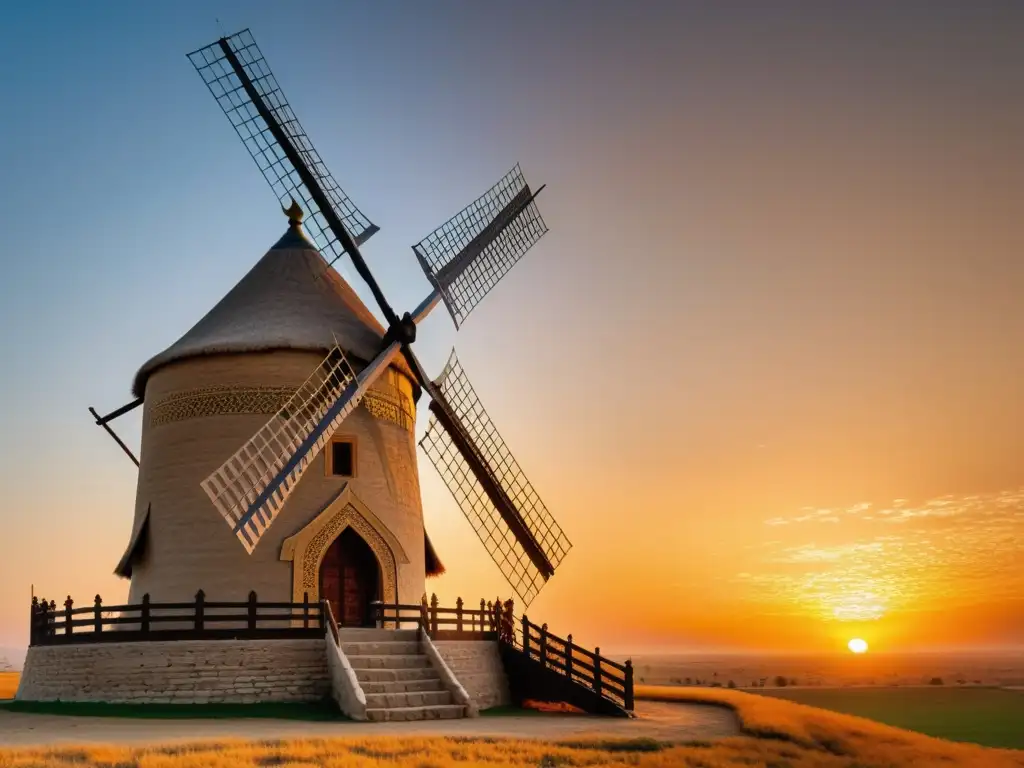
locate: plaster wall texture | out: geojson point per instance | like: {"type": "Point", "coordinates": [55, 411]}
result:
{"type": "Point", "coordinates": [191, 547]}
{"type": "Point", "coordinates": [477, 666]}
{"type": "Point", "coordinates": [184, 672]}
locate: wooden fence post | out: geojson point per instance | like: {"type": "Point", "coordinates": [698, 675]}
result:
{"type": "Point", "coordinates": [597, 671]}
{"type": "Point", "coordinates": [543, 645]}
{"type": "Point", "coordinates": [67, 615]}
{"type": "Point", "coordinates": [483, 613]}
{"type": "Point", "coordinates": [33, 622]}
{"type": "Point", "coordinates": [526, 636]}
{"type": "Point", "coordinates": [97, 608]}
{"type": "Point", "coordinates": [305, 610]}
{"type": "Point", "coordinates": [458, 615]}
{"type": "Point", "coordinates": [252, 609]}
{"type": "Point", "coordinates": [433, 614]}
{"type": "Point", "coordinates": [323, 613]}
{"type": "Point", "coordinates": [423, 612]}
{"type": "Point", "coordinates": [629, 685]}
{"type": "Point", "coordinates": [568, 657]}
{"type": "Point", "coordinates": [144, 618]}
{"type": "Point", "coordinates": [200, 610]}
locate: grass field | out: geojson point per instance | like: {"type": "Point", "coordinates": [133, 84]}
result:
{"type": "Point", "coordinates": [779, 734]}
{"type": "Point", "coordinates": [8, 684]}
{"type": "Point", "coordinates": [990, 716]}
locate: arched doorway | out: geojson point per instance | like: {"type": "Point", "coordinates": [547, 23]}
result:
{"type": "Point", "coordinates": [350, 579]}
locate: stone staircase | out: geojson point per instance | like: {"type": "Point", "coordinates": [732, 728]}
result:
{"type": "Point", "coordinates": [396, 676]}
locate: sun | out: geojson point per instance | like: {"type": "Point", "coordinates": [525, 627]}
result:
{"type": "Point", "coordinates": [857, 645]}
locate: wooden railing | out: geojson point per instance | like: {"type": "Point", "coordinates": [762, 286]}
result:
{"type": "Point", "coordinates": [197, 620]}
{"type": "Point", "coordinates": [605, 677]}
{"type": "Point", "coordinates": [496, 620]}
{"type": "Point", "coordinates": [491, 621]}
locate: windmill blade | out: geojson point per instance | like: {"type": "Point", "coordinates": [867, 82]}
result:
{"type": "Point", "coordinates": [517, 530]}
{"type": "Point", "coordinates": [467, 255]}
{"type": "Point", "coordinates": [237, 75]}
{"type": "Point", "coordinates": [251, 487]}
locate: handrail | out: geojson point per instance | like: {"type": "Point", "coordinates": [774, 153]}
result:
{"type": "Point", "coordinates": [457, 622]}
{"type": "Point", "coordinates": [201, 618]}
{"type": "Point", "coordinates": [325, 608]}
{"type": "Point", "coordinates": [496, 619]}
{"type": "Point", "coordinates": [539, 644]}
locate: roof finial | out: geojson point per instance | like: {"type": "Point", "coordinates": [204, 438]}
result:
{"type": "Point", "coordinates": [293, 212]}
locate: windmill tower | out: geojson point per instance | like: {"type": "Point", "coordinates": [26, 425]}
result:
{"type": "Point", "coordinates": [215, 386]}
{"type": "Point", "coordinates": [310, 459]}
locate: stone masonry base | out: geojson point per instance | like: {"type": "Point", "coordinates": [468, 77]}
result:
{"type": "Point", "coordinates": [477, 666]}
{"type": "Point", "coordinates": [180, 672]}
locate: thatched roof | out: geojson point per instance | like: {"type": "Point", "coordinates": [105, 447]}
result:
{"type": "Point", "coordinates": [434, 565]}
{"type": "Point", "coordinates": [290, 299]}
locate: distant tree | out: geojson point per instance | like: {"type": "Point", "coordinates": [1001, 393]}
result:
{"type": "Point", "coordinates": [780, 681]}
{"type": "Point", "coordinates": [793, 681]}
{"type": "Point", "coordinates": [689, 681]}
{"type": "Point", "coordinates": [936, 681]}
{"type": "Point", "coordinates": [753, 683]}
{"type": "Point", "coordinates": [731, 684]}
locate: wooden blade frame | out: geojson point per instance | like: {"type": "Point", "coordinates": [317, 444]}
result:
{"type": "Point", "coordinates": [251, 487]}
{"type": "Point", "coordinates": [471, 252]}
{"type": "Point", "coordinates": [513, 524]}
{"type": "Point", "coordinates": [239, 78]}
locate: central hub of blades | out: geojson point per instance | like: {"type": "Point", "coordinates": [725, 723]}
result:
{"type": "Point", "coordinates": [403, 331]}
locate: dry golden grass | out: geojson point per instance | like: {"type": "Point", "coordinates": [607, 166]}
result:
{"type": "Point", "coordinates": [780, 735]}
{"type": "Point", "coordinates": [865, 742]}
{"type": "Point", "coordinates": [8, 684]}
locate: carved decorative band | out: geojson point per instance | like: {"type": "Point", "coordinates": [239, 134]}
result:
{"type": "Point", "coordinates": [389, 408]}
{"type": "Point", "coordinates": [219, 401]}
{"type": "Point", "coordinates": [226, 401]}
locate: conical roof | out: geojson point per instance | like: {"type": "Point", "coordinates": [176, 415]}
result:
{"type": "Point", "coordinates": [290, 299]}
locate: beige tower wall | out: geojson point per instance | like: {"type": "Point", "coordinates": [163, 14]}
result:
{"type": "Point", "coordinates": [197, 413]}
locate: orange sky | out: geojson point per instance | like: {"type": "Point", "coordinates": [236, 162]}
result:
{"type": "Point", "coordinates": [765, 369]}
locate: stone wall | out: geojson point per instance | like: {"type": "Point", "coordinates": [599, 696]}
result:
{"type": "Point", "coordinates": [477, 666]}
{"type": "Point", "coordinates": [180, 672]}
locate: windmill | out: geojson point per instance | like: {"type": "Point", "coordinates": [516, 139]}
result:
{"type": "Point", "coordinates": [463, 260]}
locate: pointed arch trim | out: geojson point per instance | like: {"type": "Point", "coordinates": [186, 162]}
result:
{"type": "Point", "coordinates": [306, 548]}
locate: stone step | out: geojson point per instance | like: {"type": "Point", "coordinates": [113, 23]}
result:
{"type": "Point", "coordinates": [360, 635]}
{"type": "Point", "coordinates": [402, 686]}
{"type": "Point", "coordinates": [381, 648]}
{"type": "Point", "coordinates": [407, 700]}
{"type": "Point", "coordinates": [395, 675]}
{"type": "Point", "coordinates": [390, 661]}
{"type": "Point", "coordinates": [437, 712]}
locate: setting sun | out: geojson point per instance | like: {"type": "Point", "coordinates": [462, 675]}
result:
{"type": "Point", "coordinates": [857, 645]}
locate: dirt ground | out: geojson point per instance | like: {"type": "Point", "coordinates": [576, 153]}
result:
{"type": "Point", "coordinates": [657, 720]}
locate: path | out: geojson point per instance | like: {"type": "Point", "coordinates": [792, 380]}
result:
{"type": "Point", "coordinates": [657, 720]}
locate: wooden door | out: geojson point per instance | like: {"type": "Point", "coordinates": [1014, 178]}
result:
{"type": "Point", "coordinates": [350, 579]}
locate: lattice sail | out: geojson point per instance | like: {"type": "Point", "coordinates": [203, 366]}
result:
{"type": "Point", "coordinates": [498, 539]}
{"type": "Point", "coordinates": [251, 487]}
{"type": "Point", "coordinates": [467, 255]}
{"type": "Point", "coordinates": [223, 79]}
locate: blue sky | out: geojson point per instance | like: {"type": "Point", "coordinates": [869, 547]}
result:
{"type": "Point", "coordinates": [783, 267]}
